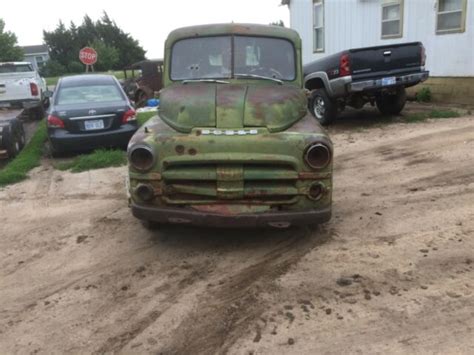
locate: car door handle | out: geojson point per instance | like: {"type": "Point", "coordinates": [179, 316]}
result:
{"type": "Point", "coordinates": [386, 53]}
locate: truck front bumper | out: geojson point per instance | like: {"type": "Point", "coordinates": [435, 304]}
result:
{"type": "Point", "coordinates": [265, 219]}
{"type": "Point", "coordinates": [377, 84]}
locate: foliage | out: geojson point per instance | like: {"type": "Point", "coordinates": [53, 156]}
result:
{"type": "Point", "coordinates": [101, 158]}
{"type": "Point", "coordinates": [424, 95]}
{"type": "Point", "coordinates": [435, 113]}
{"type": "Point", "coordinates": [28, 158]}
{"type": "Point", "coordinates": [115, 47]}
{"type": "Point", "coordinates": [9, 50]}
{"type": "Point", "coordinates": [53, 68]}
{"type": "Point", "coordinates": [108, 55]}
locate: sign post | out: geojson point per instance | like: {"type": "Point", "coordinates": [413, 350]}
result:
{"type": "Point", "coordinates": [88, 57]}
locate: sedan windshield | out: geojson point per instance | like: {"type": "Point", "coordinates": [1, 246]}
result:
{"type": "Point", "coordinates": [88, 94]}
{"type": "Point", "coordinates": [224, 57]}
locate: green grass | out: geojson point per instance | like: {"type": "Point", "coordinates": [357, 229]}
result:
{"type": "Point", "coordinates": [143, 117]}
{"type": "Point", "coordinates": [423, 116]}
{"type": "Point", "coordinates": [29, 158]}
{"type": "Point", "coordinates": [99, 159]}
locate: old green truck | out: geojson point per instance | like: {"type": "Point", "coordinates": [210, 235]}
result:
{"type": "Point", "coordinates": [233, 144]}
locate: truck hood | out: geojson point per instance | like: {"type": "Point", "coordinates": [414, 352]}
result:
{"type": "Point", "coordinates": [274, 106]}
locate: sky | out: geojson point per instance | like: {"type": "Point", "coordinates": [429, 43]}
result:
{"type": "Point", "coordinates": [147, 21]}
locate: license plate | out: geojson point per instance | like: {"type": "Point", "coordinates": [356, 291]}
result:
{"type": "Point", "coordinates": [91, 125]}
{"type": "Point", "coordinates": [391, 80]}
{"type": "Point", "coordinates": [5, 104]}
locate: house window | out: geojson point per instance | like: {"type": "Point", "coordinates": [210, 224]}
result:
{"type": "Point", "coordinates": [392, 19]}
{"type": "Point", "coordinates": [451, 16]}
{"type": "Point", "coordinates": [39, 62]}
{"type": "Point", "coordinates": [318, 25]}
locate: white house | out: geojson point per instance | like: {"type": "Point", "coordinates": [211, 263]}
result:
{"type": "Point", "coordinates": [36, 55]}
{"type": "Point", "coordinates": [446, 28]}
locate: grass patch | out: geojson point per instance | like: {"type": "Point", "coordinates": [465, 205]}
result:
{"type": "Point", "coordinates": [143, 117]}
{"type": "Point", "coordinates": [423, 116]}
{"type": "Point", "coordinates": [29, 158]}
{"type": "Point", "coordinates": [99, 159]}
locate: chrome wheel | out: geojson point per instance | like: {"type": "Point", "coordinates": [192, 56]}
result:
{"type": "Point", "coordinates": [319, 107]}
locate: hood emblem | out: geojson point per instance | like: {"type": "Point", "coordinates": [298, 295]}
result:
{"type": "Point", "coordinates": [92, 112]}
{"type": "Point", "coordinates": [229, 132]}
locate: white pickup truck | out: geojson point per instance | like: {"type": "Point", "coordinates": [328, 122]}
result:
{"type": "Point", "coordinates": [22, 87]}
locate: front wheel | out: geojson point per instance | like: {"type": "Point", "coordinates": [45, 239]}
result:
{"type": "Point", "coordinates": [392, 103]}
{"type": "Point", "coordinates": [322, 107]}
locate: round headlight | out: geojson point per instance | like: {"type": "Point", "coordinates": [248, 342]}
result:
{"type": "Point", "coordinates": [317, 156]}
{"type": "Point", "coordinates": [141, 158]}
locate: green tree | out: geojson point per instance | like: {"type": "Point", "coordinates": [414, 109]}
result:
{"type": "Point", "coordinates": [116, 48]}
{"type": "Point", "coordinates": [108, 56]}
{"type": "Point", "coordinates": [9, 50]}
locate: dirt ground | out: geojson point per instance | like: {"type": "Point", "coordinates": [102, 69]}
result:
{"type": "Point", "coordinates": [393, 272]}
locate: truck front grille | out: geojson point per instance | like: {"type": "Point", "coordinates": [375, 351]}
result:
{"type": "Point", "coordinates": [223, 183]}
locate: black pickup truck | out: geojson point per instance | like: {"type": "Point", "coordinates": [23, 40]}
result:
{"type": "Point", "coordinates": [354, 77]}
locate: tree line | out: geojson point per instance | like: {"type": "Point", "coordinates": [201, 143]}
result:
{"type": "Point", "coordinates": [115, 48]}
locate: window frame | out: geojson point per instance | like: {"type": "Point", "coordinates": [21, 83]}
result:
{"type": "Point", "coordinates": [322, 27]}
{"type": "Point", "coordinates": [401, 7]}
{"type": "Point", "coordinates": [462, 27]}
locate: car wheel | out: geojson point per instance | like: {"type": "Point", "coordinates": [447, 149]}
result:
{"type": "Point", "coordinates": [322, 107]}
{"type": "Point", "coordinates": [10, 140]}
{"type": "Point", "coordinates": [21, 136]}
{"type": "Point", "coordinates": [392, 103]}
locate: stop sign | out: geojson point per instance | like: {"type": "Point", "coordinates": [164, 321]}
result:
{"type": "Point", "coordinates": [88, 56]}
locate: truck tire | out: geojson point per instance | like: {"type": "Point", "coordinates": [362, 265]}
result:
{"type": "Point", "coordinates": [13, 138]}
{"type": "Point", "coordinates": [322, 107]}
{"type": "Point", "coordinates": [392, 103]}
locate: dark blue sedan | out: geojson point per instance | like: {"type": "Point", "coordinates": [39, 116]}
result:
{"type": "Point", "coordinates": [90, 111]}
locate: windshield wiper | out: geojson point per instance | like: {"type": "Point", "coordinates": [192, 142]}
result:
{"type": "Point", "coordinates": [258, 77]}
{"type": "Point", "coordinates": [205, 81]}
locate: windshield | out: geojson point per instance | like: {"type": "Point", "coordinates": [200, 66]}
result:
{"type": "Point", "coordinates": [88, 94]}
{"type": "Point", "coordinates": [15, 68]}
{"type": "Point", "coordinates": [213, 58]}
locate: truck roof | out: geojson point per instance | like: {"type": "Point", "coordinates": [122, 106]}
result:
{"type": "Point", "coordinates": [234, 28]}
{"type": "Point", "coordinates": [14, 63]}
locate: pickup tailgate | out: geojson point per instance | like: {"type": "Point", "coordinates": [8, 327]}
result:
{"type": "Point", "coordinates": [15, 87]}
{"type": "Point", "coordinates": [386, 60]}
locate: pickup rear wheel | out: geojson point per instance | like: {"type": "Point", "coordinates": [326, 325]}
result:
{"type": "Point", "coordinates": [392, 103]}
{"type": "Point", "coordinates": [322, 107]}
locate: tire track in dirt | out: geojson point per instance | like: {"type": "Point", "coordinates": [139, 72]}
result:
{"type": "Point", "coordinates": [228, 310]}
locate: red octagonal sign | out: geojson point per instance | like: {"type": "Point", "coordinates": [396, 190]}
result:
{"type": "Point", "coordinates": [88, 56]}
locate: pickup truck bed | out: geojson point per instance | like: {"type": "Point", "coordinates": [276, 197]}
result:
{"type": "Point", "coordinates": [356, 76]}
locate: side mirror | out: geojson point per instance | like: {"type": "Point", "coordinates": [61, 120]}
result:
{"type": "Point", "coordinates": [48, 94]}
